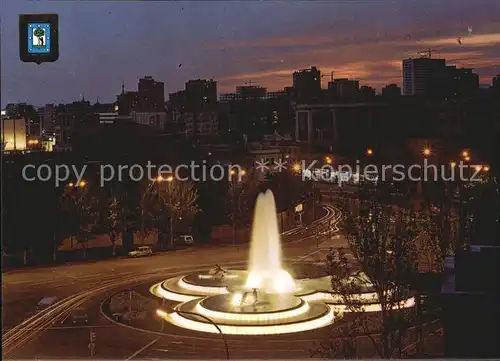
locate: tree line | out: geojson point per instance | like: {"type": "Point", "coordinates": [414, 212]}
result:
{"type": "Point", "coordinates": [389, 240]}
{"type": "Point", "coordinates": [38, 217]}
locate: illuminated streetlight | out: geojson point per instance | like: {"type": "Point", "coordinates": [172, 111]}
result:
{"type": "Point", "coordinates": [159, 178]}
{"type": "Point", "coordinates": [486, 168]}
{"type": "Point", "coordinates": [82, 184]}
{"type": "Point", "coordinates": [467, 158]}
{"type": "Point", "coordinates": [328, 160]}
{"type": "Point", "coordinates": [369, 151]}
{"type": "Point", "coordinates": [478, 168]}
{"type": "Point", "coordinates": [427, 151]}
{"type": "Point", "coordinates": [465, 154]}
{"type": "Point", "coordinates": [71, 185]}
{"type": "Point", "coordinates": [296, 167]}
{"type": "Point", "coordinates": [170, 178]}
{"type": "Point", "coordinates": [241, 172]}
{"type": "Point", "coordinates": [453, 164]}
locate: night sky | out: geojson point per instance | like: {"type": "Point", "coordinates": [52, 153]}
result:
{"type": "Point", "coordinates": [104, 43]}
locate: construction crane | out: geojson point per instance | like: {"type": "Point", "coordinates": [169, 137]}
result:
{"type": "Point", "coordinates": [427, 53]}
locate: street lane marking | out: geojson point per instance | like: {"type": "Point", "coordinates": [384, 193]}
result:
{"type": "Point", "coordinates": [143, 348]}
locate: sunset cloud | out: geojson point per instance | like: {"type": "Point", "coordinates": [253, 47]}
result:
{"type": "Point", "coordinates": [237, 42]}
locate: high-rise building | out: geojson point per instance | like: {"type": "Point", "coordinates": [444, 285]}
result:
{"type": "Point", "coordinates": [201, 92]}
{"type": "Point", "coordinates": [194, 110]}
{"type": "Point", "coordinates": [49, 119]}
{"type": "Point", "coordinates": [344, 88]}
{"type": "Point", "coordinates": [307, 84]}
{"type": "Point", "coordinates": [126, 102]}
{"type": "Point", "coordinates": [420, 74]}
{"type": "Point", "coordinates": [433, 78]}
{"type": "Point", "coordinates": [151, 94]}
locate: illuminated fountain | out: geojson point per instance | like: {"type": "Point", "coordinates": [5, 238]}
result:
{"type": "Point", "coordinates": [262, 300]}
{"type": "Point", "coordinates": [265, 271]}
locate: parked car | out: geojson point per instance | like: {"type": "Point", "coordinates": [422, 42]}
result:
{"type": "Point", "coordinates": [186, 239]}
{"type": "Point", "coordinates": [143, 251]}
{"type": "Point", "coordinates": [79, 316]}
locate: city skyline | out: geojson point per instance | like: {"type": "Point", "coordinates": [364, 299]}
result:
{"type": "Point", "coordinates": [225, 44]}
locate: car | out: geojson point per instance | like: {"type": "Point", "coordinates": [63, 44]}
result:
{"type": "Point", "coordinates": [79, 316]}
{"type": "Point", "coordinates": [186, 239]}
{"type": "Point", "coordinates": [143, 251]}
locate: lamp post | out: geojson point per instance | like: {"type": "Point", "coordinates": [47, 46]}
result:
{"type": "Point", "coordinates": [163, 313]}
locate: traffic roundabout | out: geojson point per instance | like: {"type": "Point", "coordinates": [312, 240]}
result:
{"type": "Point", "coordinates": [207, 297]}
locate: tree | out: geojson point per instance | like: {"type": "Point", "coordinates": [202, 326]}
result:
{"type": "Point", "coordinates": [341, 342]}
{"type": "Point", "coordinates": [114, 220]}
{"type": "Point", "coordinates": [240, 200]}
{"type": "Point", "coordinates": [82, 208]}
{"type": "Point", "coordinates": [39, 33]}
{"type": "Point", "coordinates": [438, 236]}
{"type": "Point", "coordinates": [288, 189]}
{"type": "Point", "coordinates": [381, 238]}
{"type": "Point", "coordinates": [148, 206]}
{"type": "Point", "coordinates": [179, 200]}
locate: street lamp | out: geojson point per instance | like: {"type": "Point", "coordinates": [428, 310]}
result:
{"type": "Point", "coordinates": [453, 164]}
{"type": "Point", "coordinates": [328, 160]}
{"type": "Point", "coordinates": [465, 154]}
{"type": "Point", "coordinates": [369, 151]}
{"type": "Point", "coordinates": [478, 168]}
{"type": "Point", "coordinates": [164, 313]}
{"type": "Point", "coordinates": [467, 158]}
{"type": "Point", "coordinates": [427, 151]}
{"type": "Point", "coordinates": [486, 168]}
{"type": "Point", "coordinates": [296, 167]}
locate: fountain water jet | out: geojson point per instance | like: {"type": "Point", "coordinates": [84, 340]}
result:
{"type": "Point", "coordinates": [265, 271]}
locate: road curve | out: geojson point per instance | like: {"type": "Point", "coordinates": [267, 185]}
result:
{"type": "Point", "coordinates": [102, 277]}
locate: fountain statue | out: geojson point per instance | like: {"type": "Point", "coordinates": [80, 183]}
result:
{"type": "Point", "coordinates": [265, 271]}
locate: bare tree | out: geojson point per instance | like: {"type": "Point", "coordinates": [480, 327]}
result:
{"type": "Point", "coordinates": [114, 220]}
{"type": "Point", "coordinates": [381, 238]}
{"type": "Point", "coordinates": [82, 207]}
{"type": "Point", "coordinates": [240, 200]}
{"type": "Point", "coordinates": [179, 200]}
{"type": "Point", "coordinates": [149, 207]}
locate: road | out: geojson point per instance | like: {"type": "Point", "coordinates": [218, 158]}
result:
{"type": "Point", "coordinates": [87, 285]}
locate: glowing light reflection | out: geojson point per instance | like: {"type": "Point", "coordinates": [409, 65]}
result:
{"type": "Point", "coordinates": [256, 317]}
{"type": "Point", "coordinates": [161, 292]}
{"type": "Point", "coordinates": [202, 289]}
{"type": "Point", "coordinates": [322, 321]}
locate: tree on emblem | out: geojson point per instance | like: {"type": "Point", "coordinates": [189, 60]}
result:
{"type": "Point", "coordinates": [39, 33]}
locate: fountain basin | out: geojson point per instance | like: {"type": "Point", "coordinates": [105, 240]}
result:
{"type": "Point", "coordinates": [294, 315]}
